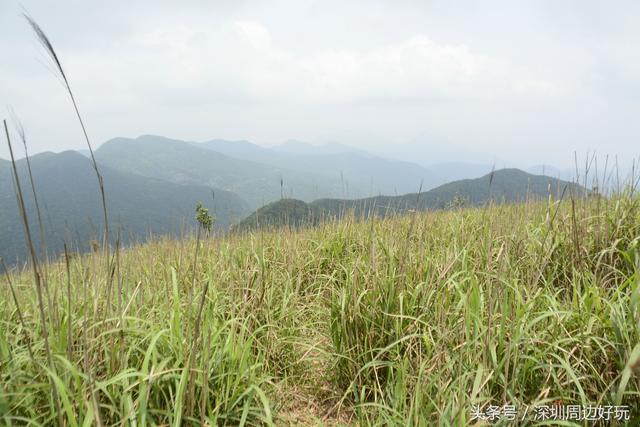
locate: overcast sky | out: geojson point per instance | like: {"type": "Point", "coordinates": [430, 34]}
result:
{"type": "Point", "coordinates": [524, 81]}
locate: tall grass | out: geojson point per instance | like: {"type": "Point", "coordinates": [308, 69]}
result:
{"type": "Point", "coordinates": [397, 321]}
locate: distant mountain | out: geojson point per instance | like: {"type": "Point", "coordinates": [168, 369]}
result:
{"type": "Point", "coordinates": [69, 198]}
{"type": "Point", "coordinates": [358, 173]}
{"type": "Point", "coordinates": [181, 162]}
{"type": "Point", "coordinates": [368, 174]}
{"type": "Point", "coordinates": [506, 185]}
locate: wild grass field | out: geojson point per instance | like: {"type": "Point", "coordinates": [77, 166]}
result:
{"type": "Point", "coordinates": [409, 320]}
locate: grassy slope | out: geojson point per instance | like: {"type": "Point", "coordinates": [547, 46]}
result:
{"type": "Point", "coordinates": [396, 321]}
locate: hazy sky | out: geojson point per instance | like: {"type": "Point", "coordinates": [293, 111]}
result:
{"type": "Point", "coordinates": [524, 81]}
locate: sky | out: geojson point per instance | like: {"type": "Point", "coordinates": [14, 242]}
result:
{"type": "Point", "coordinates": [525, 82]}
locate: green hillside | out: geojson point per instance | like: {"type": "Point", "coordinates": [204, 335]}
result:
{"type": "Point", "coordinates": [410, 320]}
{"type": "Point", "coordinates": [70, 202]}
{"type": "Point", "coordinates": [290, 212]}
{"type": "Point", "coordinates": [506, 185]}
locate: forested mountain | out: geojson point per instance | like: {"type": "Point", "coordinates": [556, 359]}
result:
{"type": "Point", "coordinates": [181, 162]}
{"type": "Point", "coordinates": [69, 198]}
{"type": "Point", "coordinates": [502, 186]}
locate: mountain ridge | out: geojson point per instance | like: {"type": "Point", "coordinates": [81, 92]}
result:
{"type": "Point", "coordinates": [502, 186]}
{"type": "Point", "coordinates": [358, 172]}
{"type": "Point", "coordinates": [184, 162]}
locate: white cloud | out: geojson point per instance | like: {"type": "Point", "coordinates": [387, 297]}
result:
{"type": "Point", "coordinates": [240, 61]}
{"type": "Point", "coordinates": [519, 80]}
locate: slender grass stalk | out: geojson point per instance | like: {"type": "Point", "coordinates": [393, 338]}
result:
{"type": "Point", "coordinates": [36, 271]}
{"type": "Point", "coordinates": [23, 138]}
{"type": "Point", "coordinates": [43, 241]}
{"type": "Point", "coordinates": [46, 43]}
{"type": "Point", "coordinates": [196, 327]}
{"type": "Point", "coordinates": [67, 262]}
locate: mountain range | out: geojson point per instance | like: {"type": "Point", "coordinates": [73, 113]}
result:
{"type": "Point", "coordinates": [153, 184]}
{"type": "Point", "coordinates": [359, 173]}
{"type": "Point", "coordinates": [181, 162]}
{"type": "Point", "coordinates": [502, 186]}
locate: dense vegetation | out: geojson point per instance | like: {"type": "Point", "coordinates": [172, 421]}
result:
{"type": "Point", "coordinates": [283, 213]}
{"type": "Point", "coordinates": [502, 186]}
{"type": "Point", "coordinates": [405, 320]}
{"type": "Point", "coordinates": [69, 201]}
